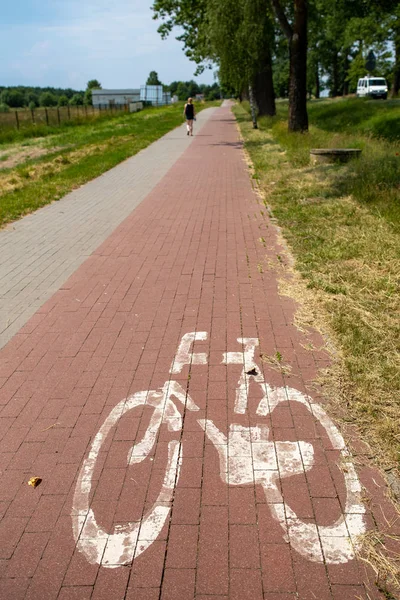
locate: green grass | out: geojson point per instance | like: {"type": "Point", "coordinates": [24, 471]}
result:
{"type": "Point", "coordinates": [375, 179]}
{"type": "Point", "coordinates": [10, 134]}
{"type": "Point", "coordinates": [356, 115]}
{"type": "Point", "coordinates": [77, 155]}
{"type": "Point", "coordinates": [342, 223]}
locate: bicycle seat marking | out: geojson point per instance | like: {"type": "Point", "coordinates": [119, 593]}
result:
{"type": "Point", "coordinates": [247, 456]}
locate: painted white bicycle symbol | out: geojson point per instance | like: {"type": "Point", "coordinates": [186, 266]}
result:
{"type": "Point", "coordinates": [247, 456]}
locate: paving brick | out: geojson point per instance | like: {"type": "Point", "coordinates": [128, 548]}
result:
{"type": "Point", "coordinates": [111, 583]}
{"type": "Point", "coordinates": [49, 575]}
{"type": "Point", "coordinates": [186, 506]}
{"type": "Point", "coordinates": [148, 569]}
{"type": "Point", "coordinates": [178, 583]}
{"type": "Point", "coordinates": [11, 530]}
{"type": "Point", "coordinates": [25, 500]}
{"type": "Point", "coordinates": [14, 588]}
{"type": "Point", "coordinates": [80, 572]}
{"type": "Point", "coordinates": [143, 594]}
{"type": "Point", "coordinates": [61, 479]}
{"type": "Point", "coordinates": [182, 547]}
{"type": "Point", "coordinates": [245, 584]}
{"type": "Point", "coordinates": [191, 473]}
{"type": "Point", "coordinates": [311, 579]}
{"type": "Point", "coordinates": [320, 483]}
{"type": "Point", "coordinates": [348, 592]}
{"type": "Point", "coordinates": [345, 574]}
{"type": "Point", "coordinates": [79, 592]}
{"type": "Point", "coordinates": [212, 569]}
{"type": "Point", "coordinates": [46, 513]}
{"type": "Point", "coordinates": [275, 596]}
{"type": "Point", "coordinates": [277, 569]}
{"type": "Point", "coordinates": [28, 554]}
{"type": "Point", "coordinates": [242, 508]}
{"type": "Point", "coordinates": [244, 552]}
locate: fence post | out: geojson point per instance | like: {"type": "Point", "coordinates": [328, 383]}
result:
{"type": "Point", "coordinates": [47, 116]}
{"type": "Point", "coordinates": [69, 113]}
{"type": "Point", "coordinates": [16, 118]}
{"type": "Point", "coordinates": [33, 115]}
{"type": "Point", "coordinates": [58, 116]}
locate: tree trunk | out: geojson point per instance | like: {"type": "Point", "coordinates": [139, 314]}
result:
{"type": "Point", "coordinates": [298, 118]}
{"type": "Point", "coordinates": [346, 71]}
{"type": "Point", "coordinates": [264, 88]}
{"type": "Point", "coordinates": [297, 37]}
{"type": "Point", "coordinates": [253, 107]}
{"type": "Point", "coordinates": [317, 82]}
{"type": "Point", "coordinates": [335, 76]}
{"type": "Point", "coordinates": [396, 79]}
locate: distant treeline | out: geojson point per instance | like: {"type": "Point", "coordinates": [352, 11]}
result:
{"type": "Point", "coordinates": [31, 97]}
{"type": "Point", "coordinates": [189, 89]}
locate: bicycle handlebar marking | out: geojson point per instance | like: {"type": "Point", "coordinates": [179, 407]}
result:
{"type": "Point", "coordinates": [247, 456]}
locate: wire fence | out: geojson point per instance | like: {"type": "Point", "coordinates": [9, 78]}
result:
{"type": "Point", "coordinates": [55, 116]}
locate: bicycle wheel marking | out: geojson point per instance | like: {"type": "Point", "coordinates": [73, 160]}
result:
{"type": "Point", "coordinates": [130, 540]}
{"type": "Point", "coordinates": [247, 456]}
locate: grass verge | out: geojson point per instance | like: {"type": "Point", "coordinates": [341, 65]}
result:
{"type": "Point", "coordinates": [342, 225]}
{"type": "Point", "coordinates": [76, 155]}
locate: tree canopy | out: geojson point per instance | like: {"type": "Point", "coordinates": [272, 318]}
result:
{"type": "Point", "coordinates": [308, 45]}
{"type": "Point", "coordinates": [153, 79]}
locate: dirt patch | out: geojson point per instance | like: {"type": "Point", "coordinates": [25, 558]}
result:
{"type": "Point", "coordinates": [10, 158]}
{"type": "Point", "coordinates": [15, 180]}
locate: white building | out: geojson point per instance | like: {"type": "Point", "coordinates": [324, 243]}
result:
{"type": "Point", "coordinates": [114, 97]}
{"type": "Point", "coordinates": [154, 94]}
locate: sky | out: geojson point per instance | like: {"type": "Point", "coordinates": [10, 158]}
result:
{"type": "Point", "coordinates": [65, 43]}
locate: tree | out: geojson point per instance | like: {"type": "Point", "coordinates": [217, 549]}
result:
{"type": "Point", "coordinates": [241, 37]}
{"type": "Point", "coordinates": [235, 35]}
{"type": "Point", "coordinates": [370, 63]}
{"type": "Point", "coordinates": [296, 34]}
{"type": "Point", "coordinates": [76, 100]}
{"type": "Point", "coordinates": [13, 98]}
{"type": "Point", "coordinates": [32, 98]}
{"type": "Point", "coordinates": [182, 91]}
{"type": "Point", "coordinates": [4, 107]}
{"type": "Point", "coordinates": [93, 84]}
{"type": "Point", "coordinates": [396, 41]}
{"type": "Point", "coordinates": [4, 97]}
{"type": "Point", "coordinates": [47, 99]}
{"type": "Point", "coordinates": [153, 79]}
{"type": "Point", "coordinates": [63, 101]}
{"type": "Point", "coordinates": [173, 87]}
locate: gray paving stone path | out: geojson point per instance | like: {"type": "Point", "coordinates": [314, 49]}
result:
{"type": "Point", "coordinates": [39, 252]}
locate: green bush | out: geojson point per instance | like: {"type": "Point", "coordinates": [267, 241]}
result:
{"type": "Point", "coordinates": [63, 101]}
{"type": "Point", "coordinates": [76, 100]}
{"type": "Point", "coordinates": [47, 99]}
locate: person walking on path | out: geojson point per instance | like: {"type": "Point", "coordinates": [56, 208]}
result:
{"type": "Point", "coordinates": [189, 113]}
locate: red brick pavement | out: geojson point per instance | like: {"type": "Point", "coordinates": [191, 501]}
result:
{"type": "Point", "coordinates": [199, 254]}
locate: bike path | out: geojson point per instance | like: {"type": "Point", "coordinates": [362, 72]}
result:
{"type": "Point", "coordinates": [179, 458]}
{"type": "Point", "coordinates": [40, 251]}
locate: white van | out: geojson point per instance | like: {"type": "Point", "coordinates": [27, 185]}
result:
{"type": "Point", "coordinates": [372, 87]}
